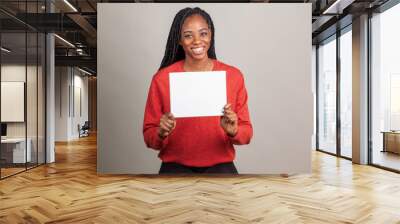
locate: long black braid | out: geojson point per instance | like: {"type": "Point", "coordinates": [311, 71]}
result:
{"type": "Point", "coordinates": [173, 51]}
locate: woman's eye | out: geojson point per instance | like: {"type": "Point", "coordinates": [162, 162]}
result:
{"type": "Point", "coordinates": [203, 34]}
{"type": "Point", "coordinates": [187, 36]}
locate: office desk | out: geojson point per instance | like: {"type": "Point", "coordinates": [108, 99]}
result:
{"type": "Point", "coordinates": [391, 141]}
{"type": "Point", "coordinates": [13, 150]}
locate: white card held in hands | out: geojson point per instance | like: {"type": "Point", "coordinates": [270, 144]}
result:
{"type": "Point", "coordinates": [197, 94]}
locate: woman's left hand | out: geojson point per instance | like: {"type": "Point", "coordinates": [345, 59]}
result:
{"type": "Point", "coordinates": [229, 121]}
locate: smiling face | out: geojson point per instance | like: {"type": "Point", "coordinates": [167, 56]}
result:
{"type": "Point", "coordinates": [195, 37]}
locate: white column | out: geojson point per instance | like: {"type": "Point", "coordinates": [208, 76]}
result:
{"type": "Point", "coordinates": [360, 90]}
{"type": "Point", "coordinates": [50, 110]}
{"type": "Point", "coordinates": [50, 92]}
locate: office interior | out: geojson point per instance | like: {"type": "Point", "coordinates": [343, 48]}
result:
{"type": "Point", "coordinates": [28, 56]}
{"type": "Point", "coordinates": [48, 88]}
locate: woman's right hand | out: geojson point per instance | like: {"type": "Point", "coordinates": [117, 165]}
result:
{"type": "Point", "coordinates": [167, 125]}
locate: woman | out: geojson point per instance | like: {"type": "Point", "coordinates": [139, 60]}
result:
{"type": "Point", "coordinates": [195, 144]}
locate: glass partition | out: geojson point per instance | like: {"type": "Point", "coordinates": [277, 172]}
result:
{"type": "Point", "coordinates": [327, 96]}
{"type": "Point", "coordinates": [13, 95]}
{"type": "Point", "coordinates": [22, 77]}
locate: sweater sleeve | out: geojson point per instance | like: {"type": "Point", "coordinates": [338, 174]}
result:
{"type": "Point", "coordinates": [245, 129]}
{"type": "Point", "coordinates": [152, 115]}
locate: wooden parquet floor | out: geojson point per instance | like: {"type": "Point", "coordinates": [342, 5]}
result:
{"type": "Point", "coordinates": [70, 191]}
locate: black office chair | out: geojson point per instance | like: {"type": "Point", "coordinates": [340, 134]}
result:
{"type": "Point", "coordinates": [84, 130]}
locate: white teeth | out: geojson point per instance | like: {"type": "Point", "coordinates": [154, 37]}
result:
{"type": "Point", "coordinates": [198, 50]}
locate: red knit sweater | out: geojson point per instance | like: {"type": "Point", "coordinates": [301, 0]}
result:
{"type": "Point", "coordinates": [196, 141]}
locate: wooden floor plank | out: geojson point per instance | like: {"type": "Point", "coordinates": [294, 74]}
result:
{"type": "Point", "coordinates": [70, 191]}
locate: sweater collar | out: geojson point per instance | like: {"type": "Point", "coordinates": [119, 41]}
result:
{"type": "Point", "coordinates": [215, 65]}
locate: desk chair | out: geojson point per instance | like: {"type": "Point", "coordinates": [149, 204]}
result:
{"type": "Point", "coordinates": [84, 130]}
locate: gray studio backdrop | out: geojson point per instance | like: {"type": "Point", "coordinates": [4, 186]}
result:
{"type": "Point", "coordinates": [270, 43]}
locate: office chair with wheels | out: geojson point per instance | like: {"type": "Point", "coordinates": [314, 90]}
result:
{"type": "Point", "coordinates": [84, 130]}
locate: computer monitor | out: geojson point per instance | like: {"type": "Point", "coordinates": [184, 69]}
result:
{"type": "Point", "coordinates": [3, 129]}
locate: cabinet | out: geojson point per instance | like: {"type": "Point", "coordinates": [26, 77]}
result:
{"type": "Point", "coordinates": [391, 142]}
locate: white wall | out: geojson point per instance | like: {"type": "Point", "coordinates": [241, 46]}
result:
{"type": "Point", "coordinates": [67, 85]}
{"type": "Point", "coordinates": [79, 117]}
{"type": "Point", "coordinates": [15, 72]}
{"type": "Point", "coordinates": [61, 103]}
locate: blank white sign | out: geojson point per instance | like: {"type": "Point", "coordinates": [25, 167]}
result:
{"type": "Point", "coordinates": [12, 101]}
{"type": "Point", "coordinates": [197, 94]}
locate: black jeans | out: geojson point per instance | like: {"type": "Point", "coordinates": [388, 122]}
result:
{"type": "Point", "coordinates": [176, 168]}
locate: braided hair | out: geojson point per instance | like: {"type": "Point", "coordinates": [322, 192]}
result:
{"type": "Point", "coordinates": [174, 51]}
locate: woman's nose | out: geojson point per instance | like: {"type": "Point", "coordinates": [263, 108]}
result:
{"type": "Point", "coordinates": [196, 39]}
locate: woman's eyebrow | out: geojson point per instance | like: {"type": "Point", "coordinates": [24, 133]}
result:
{"type": "Point", "coordinates": [190, 31]}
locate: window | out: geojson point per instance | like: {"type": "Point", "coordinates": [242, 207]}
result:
{"type": "Point", "coordinates": [385, 88]}
{"type": "Point", "coordinates": [346, 93]}
{"type": "Point", "coordinates": [327, 96]}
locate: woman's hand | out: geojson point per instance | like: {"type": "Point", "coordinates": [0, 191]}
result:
{"type": "Point", "coordinates": [167, 125]}
{"type": "Point", "coordinates": [229, 121]}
